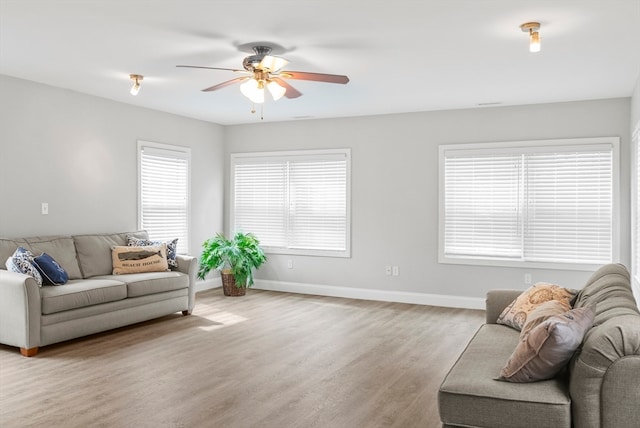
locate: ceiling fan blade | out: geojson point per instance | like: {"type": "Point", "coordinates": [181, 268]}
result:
{"type": "Point", "coordinates": [272, 63]}
{"type": "Point", "coordinates": [224, 84]}
{"type": "Point", "coordinates": [316, 77]}
{"type": "Point", "coordinates": [291, 91]}
{"type": "Point", "coordinates": [210, 68]}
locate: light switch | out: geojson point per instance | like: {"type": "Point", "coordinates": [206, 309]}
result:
{"type": "Point", "coordinates": [45, 208]}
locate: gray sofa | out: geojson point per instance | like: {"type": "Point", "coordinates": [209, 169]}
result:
{"type": "Point", "coordinates": [599, 389]}
{"type": "Point", "coordinates": [93, 300]}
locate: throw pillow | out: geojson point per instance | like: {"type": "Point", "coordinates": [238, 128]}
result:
{"type": "Point", "coordinates": [139, 259]}
{"type": "Point", "coordinates": [21, 262]}
{"type": "Point", "coordinates": [52, 273]}
{"type": "Point", "coordinates": [171, 247]}
{"type": "Point", "coordinates": [547, 348]}
{"type": "Point", "coordinates": [543, 313]}
{"type": "Point", "coordinates": [515, 315]}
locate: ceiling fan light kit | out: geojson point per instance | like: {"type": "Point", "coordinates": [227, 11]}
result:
{"type": "Point", "coordinates": [137, 78]}
{"type": "Point", "coordinates": [254, 90]}
{"type": "Point", "coordinates": [276, 90]}
{"type": "Point", "coordinates": [533, 28]}
{"type": "Point", "coordinates": [264, 70]}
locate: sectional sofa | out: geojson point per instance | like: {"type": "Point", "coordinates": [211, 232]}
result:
{"type": "Point", "coordinates": [94, 299]}
{"type": "Point", "coordinates": [599, 388]}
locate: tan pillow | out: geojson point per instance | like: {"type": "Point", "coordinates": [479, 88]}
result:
{"type": "Point", "coordinates": [542, 313]}
{"type": "Point", "coordinates": [515, 315]}
{"type": "Point", "coordinates": [139, 259]}
{"type": "Point", "coordinates": [547, 348]}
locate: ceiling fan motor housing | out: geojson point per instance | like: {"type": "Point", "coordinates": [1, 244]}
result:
{"type": "Point", "coordinates": [251, 62]}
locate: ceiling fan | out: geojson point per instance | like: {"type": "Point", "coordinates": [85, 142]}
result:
{"type": "Point", "coordinates": [262, 70]}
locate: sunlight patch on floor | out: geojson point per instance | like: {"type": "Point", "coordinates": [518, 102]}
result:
{"type": "Point", "coordinates": [221, 319]}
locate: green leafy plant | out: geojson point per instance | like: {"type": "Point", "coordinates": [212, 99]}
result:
{"type": "Point", "coordinates": [238, 256]}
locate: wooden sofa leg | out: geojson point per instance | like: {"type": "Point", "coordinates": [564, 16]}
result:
{"type": "Point", "coordinates": [29, 352]}
{"type": "Point", "coordinates": [186, 312]}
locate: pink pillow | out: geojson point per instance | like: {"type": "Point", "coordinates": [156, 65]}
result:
{"type": "Point", "coordinates": [547, 348]}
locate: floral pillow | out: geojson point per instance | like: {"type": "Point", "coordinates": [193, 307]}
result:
{"type": "Point", "coordinates": [22, 262]}
{"type": "Point", "coordinates": [515, 315]}
{"type": "Point", "coordinates": [171, 248]}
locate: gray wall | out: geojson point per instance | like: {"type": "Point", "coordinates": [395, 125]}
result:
{"type": "Point", "coordinates": [78, 153]}
{"type": "Point", "coordinates": [395, 190]}
{"type": "Point", "coordinates": [635, 106]}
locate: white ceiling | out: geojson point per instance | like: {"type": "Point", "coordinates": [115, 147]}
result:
{"type": "Point", "coordinates": [401, 56]}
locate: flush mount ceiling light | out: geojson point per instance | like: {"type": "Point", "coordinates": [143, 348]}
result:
{"type": "Point", "coordinates": [137, 78]}
{"type": "Point", "coordinates": [533, 28]}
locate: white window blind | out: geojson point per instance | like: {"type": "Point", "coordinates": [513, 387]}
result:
{"type": "Point", "coordinates": [260, 200]}
{"type": "Point", "coordinates": [294, 202]}
{"type": "Point", "coordinates": [164, 192]}
{"type": "Point", "coordinates": [569, 214]}
{"type": "Point", "coordinates": [539, 203]}
{"type": "Point", "coordinates": [482, 214]}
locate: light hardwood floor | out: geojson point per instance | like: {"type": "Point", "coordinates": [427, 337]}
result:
{"type": "Point", "coordinates": [264, 360]}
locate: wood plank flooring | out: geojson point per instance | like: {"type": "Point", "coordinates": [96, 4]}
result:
{"type": "Point", "coordinates": [264, 360]}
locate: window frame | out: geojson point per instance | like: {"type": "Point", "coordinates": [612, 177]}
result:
{"type": "Point", "coordinates": [635, 210]}
{"type": "Point", "coordinates": [346, 152]}
{"type": "Point", "coordinates": [185, 153]}
{"type": "Point", "coordinates": [503, 147]}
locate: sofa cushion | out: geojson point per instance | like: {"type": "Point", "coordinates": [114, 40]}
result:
{"type": "Point", "coordinates": [515, 315]}
{"type": "Point", "coordinates": [94, 251]}
{"type": "Point", "coordinates": [471, 385]}
{"type": "Point", "coordinates": [142, 284]}
{"type": "Point", "coordinates": [609, 289]}
{"type": "Point", "coordinates": [61, 248]}
{"type": "Point", "coordinates": [21, 261]}
{"type": "Point", "coordinates": [80, 293]}
{"type": "Point", "coordinates": [548, 347]}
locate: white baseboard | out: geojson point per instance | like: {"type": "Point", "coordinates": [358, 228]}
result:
{"type": "Point", "coordinates": [369, 294]}
{"type": "Point", "coordinates": [208, 284]}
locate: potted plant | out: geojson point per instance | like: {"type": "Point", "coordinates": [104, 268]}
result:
{"type": "Point", "coordinates": [234, 258]}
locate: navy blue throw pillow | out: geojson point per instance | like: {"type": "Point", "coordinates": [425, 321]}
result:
{"type": "Point", "coordinates": [52, 273]}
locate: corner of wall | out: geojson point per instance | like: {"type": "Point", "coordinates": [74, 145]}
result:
{"type": "Point", "coordinates": [635, 106]}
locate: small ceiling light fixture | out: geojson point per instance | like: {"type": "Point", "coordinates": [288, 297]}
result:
{"type": "Point", "coordinates": [137, 78]}
{"type": "Point", "coordinates": [533, 28]}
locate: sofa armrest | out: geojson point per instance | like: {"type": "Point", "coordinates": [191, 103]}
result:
{"type": "Point", "coordinates": [496, 301]}
{"type": "Point", "coordinates": [605, 373]}
{"type": "Point", "coordinates": [189, 266]}
{"type": "Point", "coordinates": [19, 310]}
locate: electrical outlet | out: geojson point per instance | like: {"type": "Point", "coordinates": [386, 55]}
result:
{"type": "Point", "coordinates": [395, 270]}
{"type": "Point", "coordinates": [527, 278]}
{"type": "Point", "coordinates": [289, 264]}
{"type": "Point", "coordinates": [45, 208]}
{"type": "Point", "coordinates": [387, 270]}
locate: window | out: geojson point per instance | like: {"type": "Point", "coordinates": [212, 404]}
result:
{"type": "Point", "coordinates": [163, 192]}
{"type": "Point", "coordinates": [294, 202]}
{"type": "Point", "coordinates": [544, 203]}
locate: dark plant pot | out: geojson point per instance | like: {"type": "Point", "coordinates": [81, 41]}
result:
{"type": "Point", "coordinates": [229, 285]}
